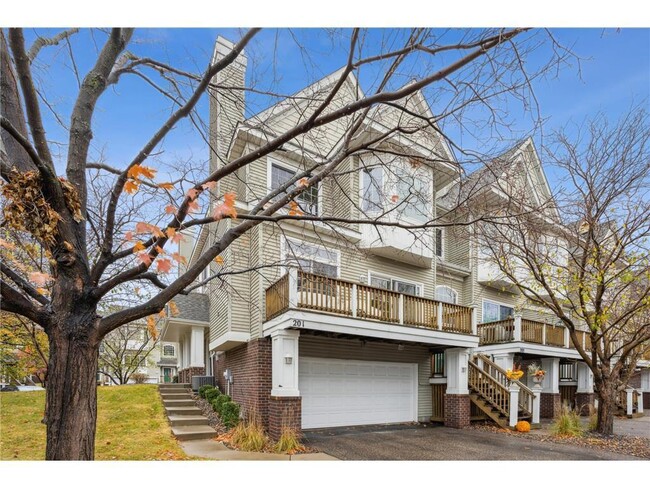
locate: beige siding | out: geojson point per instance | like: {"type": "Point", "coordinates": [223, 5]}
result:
{"type": "Point", "coordinates": [455, 282]}
{"type": "Point", "coordinates": [313, 346]}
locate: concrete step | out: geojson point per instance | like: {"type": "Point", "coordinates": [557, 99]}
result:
{"type": "Point", "coordinates": [178, 403]}
{"type": "Point", "coordinates": [176, 395]}
{"type": "Point", "coordinates": [171, 411]}
{"type": "Point", "coordinates": [173, 386]}
{"type": "Point", "coordinates": [180, 420]}
{"type": "Point", "coordinates": [193, 432]}
{"type": "Point", "coordinates": [167, 398]}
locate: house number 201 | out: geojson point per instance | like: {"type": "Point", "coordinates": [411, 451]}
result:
{"type": "Point", "coordinates": [298, 323]}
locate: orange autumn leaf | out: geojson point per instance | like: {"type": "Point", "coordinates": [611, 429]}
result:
{"type": "Point", "coordinates": [137, 170]}
{"type": "Point", "coordinates": [151, 327]}
{"type": "Point", "coordinates": [394, 198]}
{"type": "Point", "coordinates": [162, 314]}
{"type": "Point", "coordinates": [209, 185]}
{"type": "Point", "coordinates": [218, 260]}
{"type": "Point", "coordinates": [43, 291]}
{"type": "Point", "coordinates": [170, 209]}
{"type": "Point", "coordinates": [166, 186]}
{"type": "Point", "coordinates": [138, 246]}
{"type": "Point", "coordinates": [178, 238]}
{"type": "Point", "coordinates": [227, 208]}
{"type": "Point", "coordinates": [294, 209]}
{"type": "Point", "coordinates": [192, 193]}
{"type": "Point", "coordinates": [131, 187]}
{"type": "Point", "coordinates": [179, 258]}
{"type": "Point", "coordinates": [145, 228]}
{"type": "Point", "coordinates": [164, 265]}
{"type": "Point", "coordinates": [145, 258]}
{"type": "Point", "coordinates": [303, 182]}
{"type": "Point", "coordinates": [39, 278]}
{"type": "Point", "coordinates": [160, 250]}
{"type": "Point", "coordinates": [128, 235]}
{"type": "Point", "coordinates": [193, 206]}
{"type": "Point", "coordinates": [173, 309]}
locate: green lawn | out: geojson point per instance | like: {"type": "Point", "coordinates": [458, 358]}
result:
{"type": "Point", "coordinates": [131, 425]}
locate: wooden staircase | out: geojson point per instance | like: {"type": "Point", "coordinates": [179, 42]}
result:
{"type": "Point", "coordinates": [489, 391]}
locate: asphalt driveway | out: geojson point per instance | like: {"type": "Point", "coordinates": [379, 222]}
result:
{"type": "Point", "coordinates": [425, 442]}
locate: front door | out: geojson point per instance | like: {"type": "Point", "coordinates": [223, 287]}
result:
{"type": "Point", "coordinates": [167, 375]}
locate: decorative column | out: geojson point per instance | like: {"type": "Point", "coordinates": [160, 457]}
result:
{"type": "Point", "coordinates": [514, 404]}
{"type": "Point", "coordinates": [639, 407]}
{"type": "Point", "coordinates": [517, 332]}
{"type": "Point", "coordinates": [195, 348]}
{"type": "Point", "coordinates": [504, 360]}
{"type": "Point", "coordinates": [629, 402]}
{"type": "Point", "coordinates": [585, 391]}
{"type": "Point", "coordinates": [285, 404]}
{"type": "Point", "coordinates": [457, 403]}
{"type": "Point", "coordinates": [537, 391]}
{"type": "Point", "coordinates": [550, 403]}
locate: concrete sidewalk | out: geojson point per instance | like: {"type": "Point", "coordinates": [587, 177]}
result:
{"type": "Point", "coordinates": [211, 449]}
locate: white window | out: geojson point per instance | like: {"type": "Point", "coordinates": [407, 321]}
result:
{"type": "Point", "coordinates": [307, 200]}
{"type": "Point", "coordinates": [398, 285]}
{"type": "Point", "coordinates": [413, 190]}
{"type": "Point", "coordinates": [168, 350]}
{"type": "Point", "coordinates": [312, 258]}
{"type": "Point", "coordinates": [439, 243]}
{"type": "Point", "coordinates": [446, 294]}
{"type": "Point", "coordinates": [493, 311]}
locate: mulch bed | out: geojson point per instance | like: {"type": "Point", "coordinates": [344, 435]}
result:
{"type": "Point", "coordinates": [622, 444]}
{"type": "Point", "coordinates": [210, 414]}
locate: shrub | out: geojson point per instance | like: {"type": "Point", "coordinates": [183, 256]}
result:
{"type": "Point", "coordinates": [204, 389]}
{"type": "Point", "coordinates": [139, 378]}
{"type": "Point", "coordinates": [218, 402]}
{"type": "Point", "coordinates": [229, 414]}
{"type": "Point", "coordinates": [522, 426]}
{"type": "Point", "coordinates": [289, 442]}
{"type": "Point", "coordinates": [211, 394]}
{"type": "Point", "coordinates": [248, 436]}
{"type": "Point", "coordinates": [175, 379]}
{"type": "Point", "coordinates": [567, 423]}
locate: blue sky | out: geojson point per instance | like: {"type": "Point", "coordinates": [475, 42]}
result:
{"type": "Point", "coordinates": [614, 73]}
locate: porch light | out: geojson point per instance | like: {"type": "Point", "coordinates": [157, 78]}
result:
{"type": "Point", "coordinates": [288, 359]}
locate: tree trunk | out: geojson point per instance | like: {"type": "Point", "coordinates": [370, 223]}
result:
{"type": "Point", "coordinates": [606, 407]}
{"type": "Point", "coordinates": [71, 408]}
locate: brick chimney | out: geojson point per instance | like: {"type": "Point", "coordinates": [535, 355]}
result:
{"type": "Point", "coordinates": [226, 106]}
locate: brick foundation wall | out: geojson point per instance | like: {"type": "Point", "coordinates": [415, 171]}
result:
{"type": "Point", "coordinates": [250, 365]}
{"type": "Point", "coordinates": [284, 412]}
{"type": "Point", "coordinates": [584, 399]}
{"type": "Point", "coordinates": [549, 405]}
{"type": "Point", "coordinates": [457, 411]}
{"type": "Point", "coordinates": [185, 375]}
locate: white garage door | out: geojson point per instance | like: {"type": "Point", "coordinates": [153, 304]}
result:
{"type": "Point", "coordinates": [338, 392]}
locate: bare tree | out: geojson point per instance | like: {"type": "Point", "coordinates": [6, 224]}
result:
{"type": "Point", "coordinates": [84, 217]}
{"type": "Point", "coordinates": [125, 350]}
{"type": "Point", "coordinates": [584, 256]}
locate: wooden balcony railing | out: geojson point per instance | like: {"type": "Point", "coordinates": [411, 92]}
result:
{"type": "Point", "coordinates": [519, 329]}
{"type": "Point", "coordinates": [301, 290]}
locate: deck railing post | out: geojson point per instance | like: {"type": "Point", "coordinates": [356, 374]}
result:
{"type": "Point", "coordinates": [567, 337]}
{"type": "Point", "coordinates": [630, 401]}
{"type": "Point", "coordinates": [537, 392]}
{"type": "Point", "coordinates": [544, 334]}
{"type": "Point", "coordinates": [639, 407]}
{"type": "Point", "coordinates": [474, 320]}
{"type": "Point", "coordinates": [517, 332]}
{"type": "Point", "coordinates": [293, 288]}
{"type": "Point", "coordinates": [400, 309]}
{"type": "Point", "coordinates": [514, 404]}
{"type": "Point", "coordinates": [439, 316]}
{"type": "Point", "coordinates": [353, 300]}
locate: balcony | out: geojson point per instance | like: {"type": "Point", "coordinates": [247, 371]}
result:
{"type": "Point", "coordinates": [298, 290]}
{"type": "Point", "coordinates": [407, 246]}
{"type": "Point", "coordinates": [518, 329]}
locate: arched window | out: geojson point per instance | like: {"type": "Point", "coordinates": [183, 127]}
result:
{"type": "Point", "coordinates": [168, 350]}
{"type": "Point", "coordinates": [446, 294]}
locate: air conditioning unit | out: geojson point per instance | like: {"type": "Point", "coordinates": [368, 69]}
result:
{"type": "Point", "coordinates": [199, 381]}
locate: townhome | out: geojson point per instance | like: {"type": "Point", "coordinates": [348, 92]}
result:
{"type": "Point", "coordinates": [346, 323]}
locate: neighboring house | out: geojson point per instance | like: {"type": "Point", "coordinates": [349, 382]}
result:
{"type": "Point", "coordinates": [352, 324]}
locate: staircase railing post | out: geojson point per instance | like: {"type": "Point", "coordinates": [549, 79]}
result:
{"type": "Point", "coordinates": [517, 332]}
{"type": "Point", "coordinates": [630, 399]}
{"type": "Point", "coordinates": [514, 404]}
{"type": "Point", "coordinates": [537, 392]}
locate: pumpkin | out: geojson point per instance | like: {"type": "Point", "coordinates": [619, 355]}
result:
{"type": "Point", "coordinates": [522, 426]}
